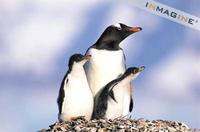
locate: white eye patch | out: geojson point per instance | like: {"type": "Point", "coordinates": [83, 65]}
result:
{"type": "Point", "coordinates": [118, 25]}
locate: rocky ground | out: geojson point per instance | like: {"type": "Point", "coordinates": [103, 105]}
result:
{"type": "Point", "coordinates": [118, 125]}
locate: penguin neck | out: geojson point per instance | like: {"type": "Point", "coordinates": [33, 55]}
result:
{"type": "Point", "coordinates": [124, 80]}
{"type": "Point", "coordinates": [77, 70]}
{"type": "Point", "coordinates": [107, 45]}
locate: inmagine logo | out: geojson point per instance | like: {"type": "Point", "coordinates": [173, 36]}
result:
{"type": "Point", "coordinates": [170, 13]}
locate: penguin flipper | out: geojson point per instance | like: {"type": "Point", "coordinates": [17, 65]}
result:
{"type": "Point", "coordinates": [60, 99]}
{"type": "Point", "coordinates": [131, 105]}
{"type": "Point", "coordinates": [61, 95]}
{"type": "Point", "coordinates": [111, 93]}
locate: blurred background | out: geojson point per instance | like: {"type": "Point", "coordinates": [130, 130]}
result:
{"type": "Point", "coordinates": [37, 38]}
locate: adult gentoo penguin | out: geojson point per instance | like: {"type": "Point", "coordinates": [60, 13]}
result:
{"type": "Point", "coordinates": [109, 102]}
{"type": "Point", "coordinates": [75, 97]}
{"type": "Point", "coordinates": [108, 60]}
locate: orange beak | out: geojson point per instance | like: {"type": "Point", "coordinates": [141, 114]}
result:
{"type": "Point", "coordinates": [135, 29]}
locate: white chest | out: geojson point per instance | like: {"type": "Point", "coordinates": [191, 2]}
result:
{"type": "Point", "coordinates": [103, 67]}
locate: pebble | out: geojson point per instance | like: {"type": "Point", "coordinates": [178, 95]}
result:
{"type": "Point", "coordinates": [118, 125]}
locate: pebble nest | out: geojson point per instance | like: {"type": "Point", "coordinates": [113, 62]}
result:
{"type": "Point", "coordinates": [118, 125]}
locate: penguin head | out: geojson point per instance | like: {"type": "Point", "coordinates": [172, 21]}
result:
{"type": "Point", "coordinates": [134, 71]}
{"type": "Point", "coordinates": [114, 34]}
{"type": "Point", "coordinates": [78, 59]}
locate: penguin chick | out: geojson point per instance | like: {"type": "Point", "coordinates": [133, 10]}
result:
{"type": "Point", "coordinates": [75, 97]}
{"type": "Point", "coordinates": [109, 101]}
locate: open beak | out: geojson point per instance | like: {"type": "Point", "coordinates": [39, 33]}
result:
{"type": "Point", "coordinates": [141, 68]}
{"type": "Point", "coordinates": [134, 29]}
{"type": "Point", "coordinates": [87, 57]}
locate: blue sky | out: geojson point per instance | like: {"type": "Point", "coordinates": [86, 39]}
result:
{"type": "Point", "coordinates": [38, 37]}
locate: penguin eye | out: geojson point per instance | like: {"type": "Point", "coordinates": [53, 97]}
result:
{"type": "Point", "coordinates": [118, 28]}
{"type": "Point", "coordinates": [135, 70]}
